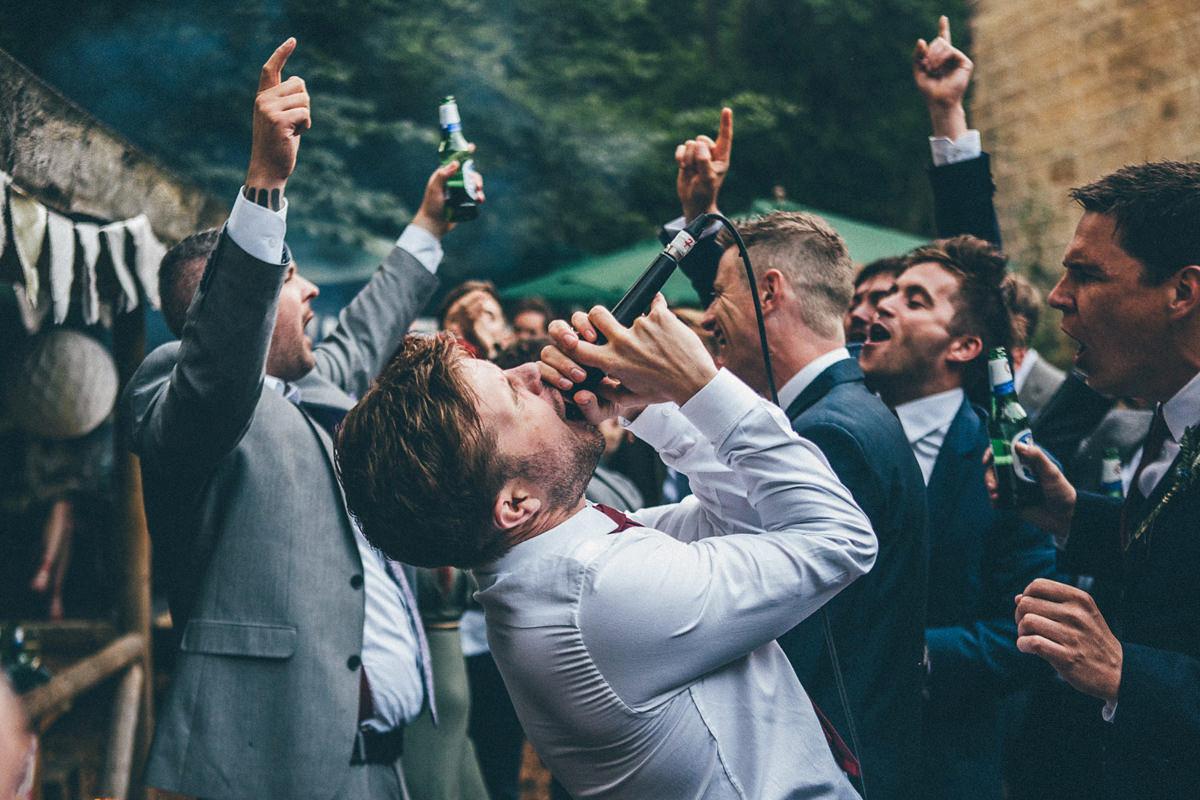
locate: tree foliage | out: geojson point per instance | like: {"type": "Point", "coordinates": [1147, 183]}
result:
{"type": "Point", "coordinates": [576, 108]}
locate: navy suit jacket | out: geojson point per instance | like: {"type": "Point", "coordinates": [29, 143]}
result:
{"type": "Point", "coordinates": [980, 559]}
{"type": "Point", "coordinates": [1154, 747]}
{"type": "Point", "coordinates": [877, 621]}
{"type": "Point", "coordinates": [962, 199]}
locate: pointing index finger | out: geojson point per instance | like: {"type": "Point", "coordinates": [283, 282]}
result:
{"type": "Point", "coordinates": [272, 71]}
{"type": "Point", "coordinates": [944, 28]}
{"type": "Point", "coordinates": [724, 135]}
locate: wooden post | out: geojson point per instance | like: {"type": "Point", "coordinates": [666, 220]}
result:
{"type": "Point", "coordinates": [118, 759]}
{"type": "Point", "coordinates": [133, 537]}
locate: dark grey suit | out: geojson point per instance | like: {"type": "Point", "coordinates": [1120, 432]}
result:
{"type": "Point", "coordinates": [878, 622]}
{"type": "Point", "coordinates": [266, 583]}
{"type": "Point", "coordinates": [1040, 385]}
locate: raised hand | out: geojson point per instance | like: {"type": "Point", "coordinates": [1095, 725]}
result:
{"type": "Point", "coordinates": [942, 73]}
{"type": "Point", "coordinates": [281, 115]}
{"type": "Point", "coordinates": [702, 167]}
{"type": "Point", "coordinates": [430, 215]}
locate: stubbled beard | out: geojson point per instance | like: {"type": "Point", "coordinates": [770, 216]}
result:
{"type": "Point", "coordinates": [565, 473]}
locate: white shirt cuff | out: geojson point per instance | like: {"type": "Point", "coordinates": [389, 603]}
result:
{"type": "Point", "coordinates": [258, 230]}
{"type": "Point", "coordinates": [719, 406]}
{"type": "Point", "coordinates": [947, 151]}
{"type": "Point", "coordinates": [1109, 711]}
{"type": "Point", "coordinates": [421, 245]}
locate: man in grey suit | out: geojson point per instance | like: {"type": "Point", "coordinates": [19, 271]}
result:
{"type": "Point", "coordinates": [300, 659]}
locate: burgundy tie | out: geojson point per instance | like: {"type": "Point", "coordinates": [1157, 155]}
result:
{"type": "Point", "coordinates": [842, 754]}
{"type": "Point", "coordinates": [623, 522]}
{"type": "Point", "coordinates": [1152, 447]}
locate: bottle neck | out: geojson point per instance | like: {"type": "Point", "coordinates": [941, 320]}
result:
{"type": "Point", "coordinates": [1001, 378]}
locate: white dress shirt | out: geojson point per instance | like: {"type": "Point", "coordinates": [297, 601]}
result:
{"type": "Point", "coordinates": [926, 422]}
{"type": "Point", "coordinates": [642, 664]}
{"type": "Point", "coordinates": [1182, 410]}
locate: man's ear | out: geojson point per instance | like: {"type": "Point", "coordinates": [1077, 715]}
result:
{"type": "Point", "coordinates": [771, 286]}
{"type": "Point", "coordinates": [1185, 292]}
{"type": "Point", "coordinates": [964, 348]}
{"type": "Point", "coordinates": [516, 503]}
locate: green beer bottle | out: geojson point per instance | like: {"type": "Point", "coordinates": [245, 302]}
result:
{"type": "Point", "coordinates": [1110, 473]}
{"type": "Point", "coordinates": [462, 202]}
{"type": "Point", "coordinates": [1008, 425]}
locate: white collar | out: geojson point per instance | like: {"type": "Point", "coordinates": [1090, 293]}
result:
{"type": "Point", "coordinates": [289, 391]}
{"type": "Point", "coordinates": [796, 385]}
{"type": "Point", "coordinates": [934, 412]}
{"type": "Point", "coordinates": [1183, 408]}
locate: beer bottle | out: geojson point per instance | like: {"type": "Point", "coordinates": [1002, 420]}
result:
{"type": "Point", "coordinates": [22, 660]}
{"type": "Point", "coordinates": [462, 202]}
{"type": "Point", "coordinates": [1110, 473]}
{"type": "Point", "coordinates": [1008, 425]}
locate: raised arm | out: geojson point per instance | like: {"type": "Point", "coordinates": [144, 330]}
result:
{"type": "Point", "coordinates": [702, 167]}
{"type": "Point", "coordinates": [281, 116]}
{"type": "Point", "coordinates": [942, 73]}
{"type": "Point", "coordinates": [192, 407]}
{"type": "Point", "coordinates": [370, 328]}
{"type": "Point", "coordinates": [961, 175]}
{"type": "Point", "coordinates": [703, 164]}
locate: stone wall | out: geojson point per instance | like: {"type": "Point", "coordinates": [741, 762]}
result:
{"type": "Point", "coordinates": [1068, 90]}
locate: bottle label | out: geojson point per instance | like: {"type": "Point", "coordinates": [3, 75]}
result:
{"type": "Point", "coordinates": [1110, 478]}
{"type": "Point", "coordinates": [448, 116]}
{"type": "Point", "coordinates": [1001, 376]}
{"type": "Point", "coordinates": [1022, 471]}
{"type": "Point", "coordinates": [468, 176]}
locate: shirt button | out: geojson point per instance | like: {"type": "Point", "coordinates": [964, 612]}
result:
{"type": "Point", "coordinates": [353, 662]}
{"type": "Point", "coordinates": [356, 581]}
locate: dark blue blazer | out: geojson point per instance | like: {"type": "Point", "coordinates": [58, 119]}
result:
{"type": "Point", "coordinates": [877, 621]}
{"type": "Point", "coordinates": [979, 559]}
{"type": "Point", "coordinates": [1154, 741]}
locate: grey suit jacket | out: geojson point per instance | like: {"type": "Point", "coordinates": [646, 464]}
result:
{"type": "Point", "coordinates": [1040, 385]}
{"type": "Point", "coordinates": [245, 511]}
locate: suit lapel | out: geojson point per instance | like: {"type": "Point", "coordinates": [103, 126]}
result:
{"type": "Point", "coordinates": [844, 371]}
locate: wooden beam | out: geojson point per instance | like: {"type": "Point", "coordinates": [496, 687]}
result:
{"type": "Point", "coordinates": [76, 679]}
{"type": "Point", "coordinates": [73, 163]}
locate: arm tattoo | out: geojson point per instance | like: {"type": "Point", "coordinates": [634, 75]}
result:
{"type": "Point", "coordinates": [272, 200]}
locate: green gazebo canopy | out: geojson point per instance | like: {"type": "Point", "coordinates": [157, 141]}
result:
{"type": "Point", "coordinates": [604, 279]}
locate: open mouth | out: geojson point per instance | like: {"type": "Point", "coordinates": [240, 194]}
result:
{"type": "Point", "coordinates": [1080, 347]}
{"type": "Point", "coordinates": [573, 414]}
{"type": "Point", "coordinates": [878, 333]}
{"type": "Point", "coordinates": [565, 406]}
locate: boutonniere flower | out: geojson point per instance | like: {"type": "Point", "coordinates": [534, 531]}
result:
{"type": "Point", "coordinates": [1184, 473]}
